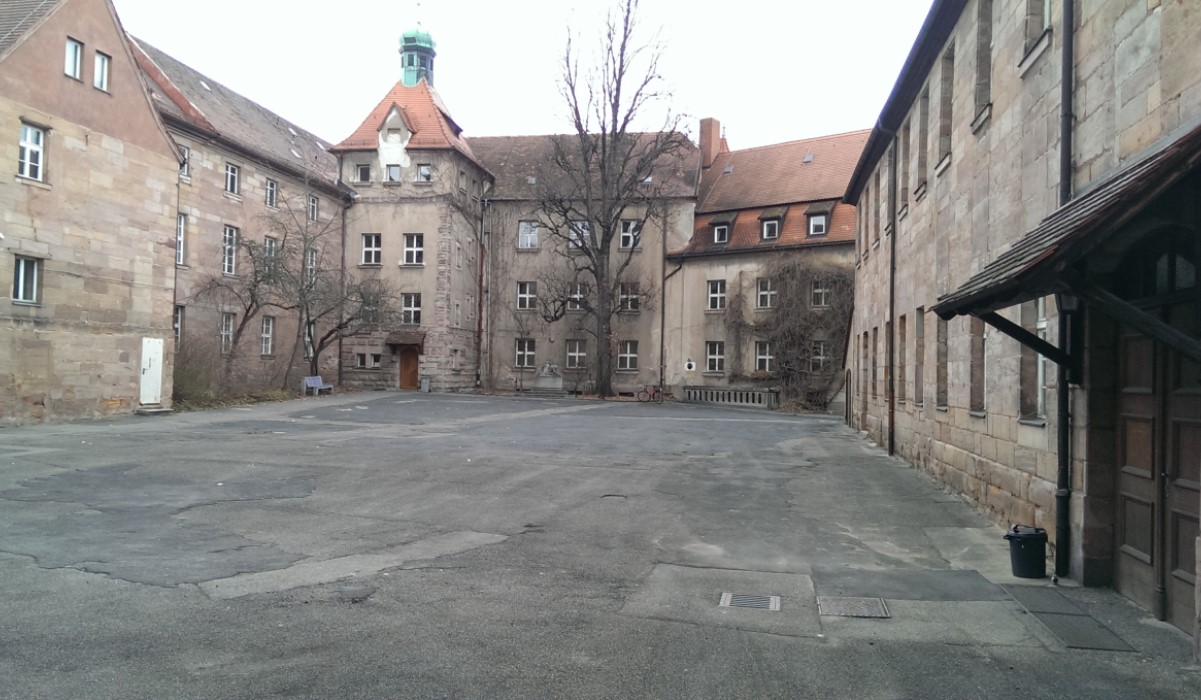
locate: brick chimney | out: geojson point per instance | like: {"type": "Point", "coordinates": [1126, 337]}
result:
{"type": "Point", "coordinates": [710, 141]}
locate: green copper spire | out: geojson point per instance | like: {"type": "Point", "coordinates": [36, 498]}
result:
{"type": "Point", "coordinates": [417, 56]}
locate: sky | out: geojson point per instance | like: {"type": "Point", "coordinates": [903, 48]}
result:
{"type": "Point", "coordinates": [769, 70]}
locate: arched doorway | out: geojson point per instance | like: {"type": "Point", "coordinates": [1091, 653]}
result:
{"type": "Point", "coordinates": [409, 362]}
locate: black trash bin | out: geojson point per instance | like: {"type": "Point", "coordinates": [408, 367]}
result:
{"type": "Point", "coordinates": [1028, 551]}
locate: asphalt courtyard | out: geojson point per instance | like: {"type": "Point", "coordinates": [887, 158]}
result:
{"type": "Point", "coordinates": [396, 545]}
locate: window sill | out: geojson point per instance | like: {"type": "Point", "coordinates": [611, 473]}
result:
{"type": "Point", "coordinates": [904, 212]}
{"type": "Point", "coordinates": [528, 250]}
{"type": "Point", "coordinates": [411, 265]}
{"type": "Point", "coordinates": [919, 404]}
{"type": "Point", "coordinates": [421, 183]}
{"type": "Point", "coordinates": [978, 414]}
{"type": "Point", "coordinates": [714, 374]}
{"type": "Point", "coordinates": [943, 164]}
{"type": "Point", "coordinates": [1033, 422]}
{"type": "Point", "coordinates": [626, 371]}
{"type": "Point", "coordinates": [22, 302]}
{"type": "Point", "coordinates": [637, 249]}
{"type": "Point", "coordinates": [888, 229]}
{"type": "Point", "coordinates": [629, 312]}
{"type": "Point", "coordinates": [370, 266]}
{"type": "Point", "coordinates": [940, 409]}
{"type": "Point", "coordinates": [811, 234]}
{"type": "Point", "coordinates": [524, 370]}
{"type": "Point", "coordinates": [715, 311]}
{"type": "Point", "coordinates": [1035, 52]}
{"type": "Point", "coordinates": [182, 266]}
{"type": "Point", "coordinates": [230, 195]}
{"type": "Point", "coordinates": [185, 179]}
{"type": "Point", "coordinates": [982, 118]}
{"type": "Point", "coordinates": [875, 244]}
{"type": "Point", "coordinates": [764, 308]}
{"type": "Point", "coordinates": [919, 192]}
{"type": "Point", "coordinates": [41, 184]}
{"type": "Point", "coordinates": [392, 183]}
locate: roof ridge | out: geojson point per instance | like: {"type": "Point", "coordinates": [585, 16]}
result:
{"type": "Point", "coordinates": [811, 139]}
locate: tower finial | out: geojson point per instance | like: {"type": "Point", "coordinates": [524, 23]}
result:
{"type": "Point", "coordinates": [417, 56]}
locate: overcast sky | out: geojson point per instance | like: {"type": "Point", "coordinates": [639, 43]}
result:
{"type": "Point", "coordinates": [769, 70]}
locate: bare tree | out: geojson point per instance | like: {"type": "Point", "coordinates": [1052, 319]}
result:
{"type": "Point", "coordinates": [606, 178]}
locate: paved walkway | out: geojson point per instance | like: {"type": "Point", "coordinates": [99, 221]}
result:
{"type": "Point", "coordinates": [411, 545]}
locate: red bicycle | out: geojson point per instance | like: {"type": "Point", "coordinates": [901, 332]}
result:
{"type": "Point", "coordinates": [651, 392]}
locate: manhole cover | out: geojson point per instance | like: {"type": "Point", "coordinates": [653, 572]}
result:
{"type": "Point", "coordinates": [851, 607]}
{"type": "Point", "coordinates": [760, 602]}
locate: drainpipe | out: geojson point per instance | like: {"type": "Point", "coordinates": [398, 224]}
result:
{"type": "Point", "coordinates": [344, 207]}
{"type": "Point", "coordinates": [485, 206]}
{"type": "Point", "coordinates": [663, 302]}
{"type": "Point", "coordinates": [891, 388]}
{"type": "Point", "coordinates": [1063, 478]}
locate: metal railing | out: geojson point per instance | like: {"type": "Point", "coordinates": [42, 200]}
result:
{"type": "Point", "coordinates": [745, 397]}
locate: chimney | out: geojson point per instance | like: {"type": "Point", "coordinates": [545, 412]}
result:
{"type": "Point", "coordinates": [710, 141]}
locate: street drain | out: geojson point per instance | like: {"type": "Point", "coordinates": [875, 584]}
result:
{"type": "Point", "coordinates": [851, 607]}
{"type": "Point", "coordinates": [760, 602]}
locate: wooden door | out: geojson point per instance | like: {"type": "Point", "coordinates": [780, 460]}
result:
{"type": "Point", "coordinates": [408, 367]}
{"type": "Point", "coordinates": [1182, 474]}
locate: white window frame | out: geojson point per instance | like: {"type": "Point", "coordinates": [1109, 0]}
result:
{"type": "Point", "coordinates": [100, 71]}
{"type": "Point", "coordinates": [314, 207]}
{"type": "Point", "coordinates": [819, 355]}
{"type": "Point", "coordinates": [765, 360]}
{"type": "Point", "coordinates": [73, 59]}
{"type": "Point", "coordinates": [721, 233]}
{"type": "Point", "coordinates": [373, 252]}
{"type": "Point", "coordinates": [271, 194]}
{"type": "Point", "coordinates": [358, 172]}
{"type": "Point", "coordinates": [424, 173]}
{"type": "Point", "coordinates": [267, 336]}
{"type": "Point", "coordinates": [628, 297]}
{"type": "Point", "coordinates": [1040, 329]}
{"type": "Point", "coordinates": [627, 355]}
{"type": "Point", "coordinates": [270, 247]}
{"type": "Point", "coordinates": [770, 229]}
{"type": "Point", "coordinates": [414, 249]}
{"type": "Point", "coordinates": [579, 235]}
{"type": "Point", "coordinates": [577, 353]}
{"type": "Point", "coordinates": [310, 265]}
{"type": "Point", "coordinates": [765, 297]}
{"type": "Point", "coordinates": [227, 331]}
{"type": "Point", "coordinates": [818, 225]}
{"type": "Point", "coordinates": [527, 296]}
{"type": "Point", "coordinates": [181, 232]}
{"type": "Point", "coordinates": [527, 235]}
{"type": "Point", "coordinates": [177, 321]}
{"type": "Point", "coordinates": [575, 300]}
{"type": "Point", "coordinates": [631, 234]}
{"type": "Point", "coordinates": [185, 166]}
{"type": "Point", "coordinates": [819, 295]}
{"type": "Point", "coordinates": [410, 309]}
{"type": "Point", "coordinates": [717, 295]}
{"type": "Point", "coordinates": [27, 282]}
{"type": "Point", "coordinates": [715, 356]}
{"type": "Point", "coordinates": [233, 175]}
{"type": "Point", "coordinates": [229, 250]}
{"type": "Point", "coordinates": [524, 353]}
{"type": "Point", "coordinates": [31, 163]}
{"type": "Point", "coordinates": [392, 172]}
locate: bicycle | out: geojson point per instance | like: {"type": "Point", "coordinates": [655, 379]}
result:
{"type": "Point", "coordinates": [650, 392]}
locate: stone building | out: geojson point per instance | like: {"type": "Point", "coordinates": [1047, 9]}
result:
{"type": "Point", "coordinates": [1032, 181]}
{"type": "Point", "coordinates": [255, 191]}
{"type": "Point", "coordinates": [768, 219]}
{"type": "Point", "coordinates": [87, 218]}
{"type": "Point", "coordinates": [415, 225]}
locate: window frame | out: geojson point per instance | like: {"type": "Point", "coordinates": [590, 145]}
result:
{"type": "Point", "coordinates": [414, 250]}
{"type": "Point", "coordinates": [579, 235]}
{"type": "Point", "coordinates": [181, 233]}
{"type": "Point", "coordinates": [627, 356]}
{"type": "Point", "coordinates": [101, 68]}
{"type": "Point", "coordinates": [576, 353]}
{"type": "Point", "coordinates": [527, 234]}
{"type": "Point", "coordinates": [575, 299]}
{"type": "Point", "coordinates": [271, 193]}
{"type": "Point", "coordinates": [24, 290]}
{"type": "Point", "coordinates": [358, 172]}
{"type": "Point", "coordinates": [314, 208]}
{"type": "Point", "coordinates": [410, 308]}
{"type": "Point", "coordinates": [765, 293]}
{"type": "Point", "coordinates": [229, 249]}
{"type": "Point", "coordinates": [631, 234]}
{"type": "Point", "coordinates": [392, 172]}
{"type": "Point", "coordinates": [819, 295]}
{"type": "Point", "coordinates": [629, 297]}
{"type": "Point", "coordinates": [73, 61]}
{"type": "Point", "coordinates": [524, 353]}
{"type": "Point", "coordinates": [177, 321]}
{"type": "Point", "coordinates": [28, 167]}
{"type": "Point", "coordinates": [373, 252]}
{"type": "Point", "coordinates": [228, 319]}
{"type": "Point", "coordinates": [185, 165]}
{"type": "Point", "coordinates": [765, 359]}
{"type": "Point", "coordinates": [423, 173]}
{"type": "Point", "coordinates": [774, 225]}
{"type": "Point", "coordinates": [721, 233]}
{"type": "Point", "coordinates": [819, 219]}
{"type": "Point", "coordinates": [717, 295]}
{"type": "Point", "coordinates": [715, 356]}
{"type": "Point", "coordinates": [233, 179]}
{"type": "Point", "coordinates": [267, 336]}
{"type": "Point", "coordinates": [819, 355]}
{"type": "Point", "coordinates": [527, 295]}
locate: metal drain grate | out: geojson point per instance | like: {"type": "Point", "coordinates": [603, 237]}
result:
{"type": "Point", "coordinates": [851, 607]}
{"type": "Point", "coordinates": [759, 602]}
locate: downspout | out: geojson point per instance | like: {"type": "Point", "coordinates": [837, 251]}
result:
{"type": "Point", "coordinates": [663, 303]}
{"type": "Point", "coordinates": [1063, 479]}
{"type": "Point", "coordinates": [890, 368]}
{"type": "Point", "coordinates": [485, 205]}
{"type": "Point", "coordinates": [342, 234]}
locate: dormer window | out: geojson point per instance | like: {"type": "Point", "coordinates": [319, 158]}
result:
{"type": "Point", "coordinates": [819, 217]}
{"type": "Point", "coordinates": [721, 224]}
{"type": "Point", "coordinates": [771, 229]}
{"type": "Point", "coordinates": [769, 222]}
{"type": "Point", "coordinates": [721, 234]}
{"type": "Point", "coordinates": [817, 225]}
{"type": "Point", "coordinates": [394, 136]}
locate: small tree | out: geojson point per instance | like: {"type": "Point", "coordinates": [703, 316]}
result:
{"type": "Point", "coordinates": [606, 175]}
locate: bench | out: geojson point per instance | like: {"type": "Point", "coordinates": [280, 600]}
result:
{"type": "Point", "coordinates": [317, 385]}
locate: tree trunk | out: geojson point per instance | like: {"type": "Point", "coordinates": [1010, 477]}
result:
{"type": "Point", "coordinates": [604, 332]}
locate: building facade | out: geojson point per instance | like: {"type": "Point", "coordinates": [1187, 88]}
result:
{"type": "Point", "coordinates": [88, 214]}
{"type": "Point", "coordinates": [1036, 348]}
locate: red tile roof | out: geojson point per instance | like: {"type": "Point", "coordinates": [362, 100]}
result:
{"type": "Point", "coordinates": [779, 174]}
{"type": "Point", "coordinates": [746, 232]}
{"type": "Point", "coordinates": [424, 114]}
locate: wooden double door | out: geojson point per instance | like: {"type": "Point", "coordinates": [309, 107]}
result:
{"type": "Point", "coordinates": [1159, 472]}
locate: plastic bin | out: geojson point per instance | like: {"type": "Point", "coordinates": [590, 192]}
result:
{"type": "Point", "coordinates": [1028, 551]}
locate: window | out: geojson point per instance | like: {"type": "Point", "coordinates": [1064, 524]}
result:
{"type": "Point", "coordinates": [310, 265]}
{"type": "Point", "coordinates": [977, 368]}
{"type": "Point", "coordinates": [766, 298]}
{"type": "Point", "coordinates": [819, 355]}
{"type": "Point", "coordinates": [267, 336]}
{"type": "Point", "coordinates": [864, 379]}
{"type": "Point", "coordinates": [527, 235]}
{"type": "Point", "coordinates": [185, 164]}
{"type": "Point", "coordinates": [903, 164]}
{"type": "Point", "coordinates": [458, 256]}
{"type": "Point", "coordinates": [270, 249]}
{"type": "Point", "coordinates": [771, 229]}
{"type": "Point", "coordinates": [462, 181]}
{"type": "Point", "coordinates": [394, 136]}
{"type": "Point", "coordinates": [272, 193]}
{"type": "Point", "coordinates": [456, 363]}
{"type": "Point", "coordinates": [100, 71]}
{"type": "Point", "coordinates": [819, 294]}
{"type": "Point", "coordinates": [32, 150]}
{"type": "Point", "coordinates": [875, 361]}
{"type": "Point", "coordinates": [983, 55]}
{"type": "Point", "coordinates": [525, 353]}
{"type": "Point", "coordinates": [940, 365]}
{"type": "Point", "coordinates": [458, 315]}
{"type": "Point", "coordinates": [717, 294]}
{"type": "Point", "coordinates": [575, 300]}
{"type": "Point", "coordinates": [945, 102]}
{"type": "Point", "coordinates": [715, 356]}
{"type": "Point", "coordinates": [372, 255]}
{"type": "Point", "coordinates": [919, 355]}
{"type": "Point", "coordinates": [874, 221]}
{"type": "Point", "coordinates": [577, 354]}
{"type": "Point", "coordinates": [765, 361]}
{"type": "Point", "coordinates": [900, 350]}
{"type": "Point", "coordinates": [579, 235]}
{"type": "Point", "coordinates": [229, 250]}
{"type": "Point", "coordinates": [410, 309]}
{"type": "Point", "coordinates": [181, 229]}
{"type": "Point", "coordinates": [26, 280]}
{"type": "Point", "coordinates": [392, 171]}
{"type": "Point", "coordinates": [527, 295]}
{"type": "Point", "coordinates": [627, 296]}
{"type": "Point", "coordinates": [73, 65]}
{"type": "Point", "coordinates": [1033, 366]}
{"type": "Point", "coordinates": [227, 332]}
{"type": "Point", "coordinates": [1038, 21]}
{"type": "Point", "coordinates": [232, 174]}
{"type": "Point", "coordinates": [310, 333]}
{"type": "Point", "coordinates": [817, 225]}
{"type": "Point", "coordinates": [631, 234]}
{"type": "Point", "coordinates": [414, 249]}
{"type": "Point", "coordinates": [425, 172]}
{"type": "Point", "coordinates": [362, 172]}
{"type": "Point", "coordinates": [627, 355]}
{"type": "Point", "coordinates": [365, 360]}
{"type": "Point", "coordinates": [721, 234]}
{"type": "Point", "coordinates": [177, 323]}
{"type": "Point", "coordinates": [923, 140]}
{"type": "Point", "coordinates": [314, 208]}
